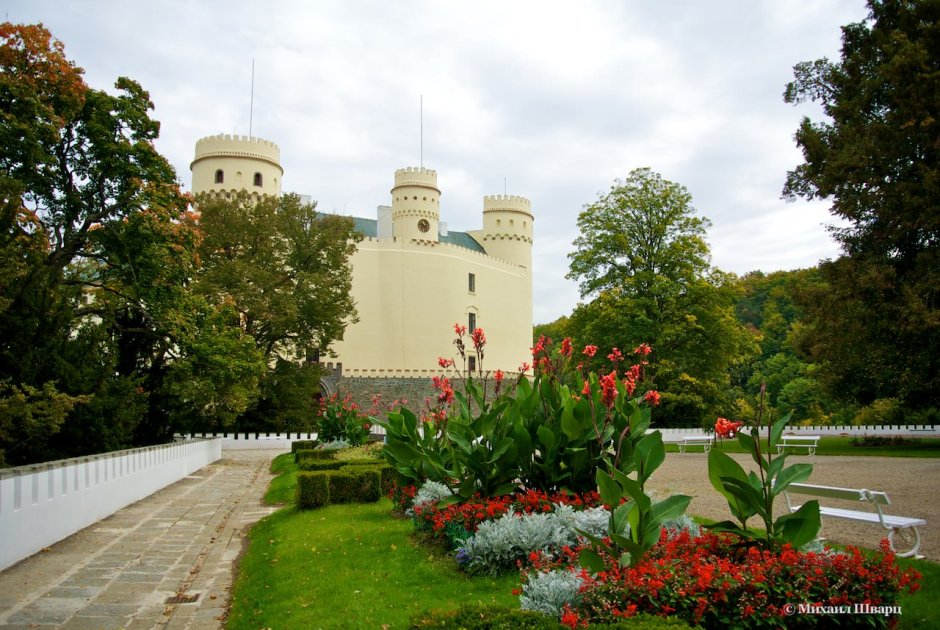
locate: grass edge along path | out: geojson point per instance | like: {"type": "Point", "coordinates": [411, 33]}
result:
{"type": "Point", "coordinates": [348, 566]}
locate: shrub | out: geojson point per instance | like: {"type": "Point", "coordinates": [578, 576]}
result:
{"type": "Point", "coordinates": [306, 454]}
{"type": "Point", "coordinates": [313, 490]}
{"type": "Point", "coordinates": [320, 464]}
{"type": "Point", "coordinates": [549, 592]}
{"type": "Point", "coordinates": [430, 492]}
{"type": "Point", "coordinates": [500, 544]}
{"type": "Point", "coordinates": [349, 485]}
{"type": "Point", "coordinates": [883, 440]}
{"type": "Point", "coordinates": [302, 445]}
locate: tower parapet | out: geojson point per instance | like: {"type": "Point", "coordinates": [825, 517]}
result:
{"type": "Point", "coordinates": [507, 228]}
{"type": "Point", "coordinates": [416, 204]}
{"type": "Point", "coordinates": [227, 163]}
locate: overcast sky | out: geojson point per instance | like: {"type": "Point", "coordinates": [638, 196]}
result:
{"type": "Point", "coordinates": [556, 99]}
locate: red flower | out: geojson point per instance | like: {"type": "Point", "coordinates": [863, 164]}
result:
{"type": "Point", "coordinates": [643, 349]}
{"type": "Point", "coordinates": [609, 388]}
{"type": "Point", "coordinates": [586, 390]}
{"type": "Point", "coordinates": [566, 346]}
{"type": "Point", "coordinates": [615, 356]}
{"type": "Point", "coordinates": [445, 363]}
{"type": "Point", "coordinates": [460, 330]}
{"type": "Point", "coordinates": [525, 367]}
{"type": "Point", "coordinates": [498, 376]}
{"type": "Point", "coordinates": [652, 397]}
{"type": "Point", "coordinates": [590, 350]}
{"type": "Point", "coordinates": [479, 339]}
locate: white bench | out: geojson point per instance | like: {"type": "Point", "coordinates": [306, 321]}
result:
{"type": "Point", "coordinates": [904, 527]}
{"type": "Point", "coordinates": [704, 441]}
{"type": "Point", "coordinates": [809, 442]}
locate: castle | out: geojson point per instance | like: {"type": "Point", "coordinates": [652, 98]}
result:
{"type": "Point", "coordinates": [413, 279]}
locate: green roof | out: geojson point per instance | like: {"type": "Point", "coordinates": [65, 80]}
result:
{"type": "Point", "coordinates": [368, 228]}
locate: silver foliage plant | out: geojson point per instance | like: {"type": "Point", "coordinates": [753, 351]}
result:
{"type": "Point", "coordinates": [498, 544]}
{"type": "Point", "coordinates": [548, 592]}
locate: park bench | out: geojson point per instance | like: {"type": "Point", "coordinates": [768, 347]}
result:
{"type": "Point", "coordinates": [704, 441]}
{"type": "Point", "coordinates": [902, 527]}
{"type": "Point", "coordinates": [809, 442]}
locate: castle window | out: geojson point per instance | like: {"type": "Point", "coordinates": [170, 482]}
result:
{"type": "Point", "coordinates": [472, 282]}
{"type": "Point", "coordinates": [472, 321]}
{"type": "Point", "coordinates": [258, 181]}
{"type": "Point", "coordinates": [219, 177]}
{"type": "Point", "coordinates": [472, 364]}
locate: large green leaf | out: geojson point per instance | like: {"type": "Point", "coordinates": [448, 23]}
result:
{"type": "Point", "coordinates": [591, 560]}
{"type": "Point", "coordinates": [547, 437]}
{"type": "Point", "coordinates": [801, 526]}
{"type": "Point", "coordinates": [673, 507]}
{"type": "Point", "coordinates": [609, 489]}
{"type": "Point", "coordinates": [776, 430]}
{"type": "Point", "coordinates": [791, 474]}
{"type": "Point", "coordinates": [569, 422]}
{"type": "Point", "coordinates": [722, 466]}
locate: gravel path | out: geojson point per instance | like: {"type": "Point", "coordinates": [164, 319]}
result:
{"type": "Point", "coordinates": [909, 483]}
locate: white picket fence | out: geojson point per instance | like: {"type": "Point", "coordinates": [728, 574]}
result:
{"type": "Point", "coordinates": [252, 440]}
{"type": "Point", "coordinates": [44, 503]}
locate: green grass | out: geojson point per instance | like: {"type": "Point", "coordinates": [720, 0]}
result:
{"type": "Point", "coordinates": [348, 566]}
{"type": "Point", "coordinates": [920, 610]}
{"type": "Point", "coordinates": [283, 488]}
{"type": "Point", "coordinates": [925, 447]}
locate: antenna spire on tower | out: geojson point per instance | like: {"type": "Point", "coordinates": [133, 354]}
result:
{"type": "Point", "coordinates": [422, 129]}
{"type": "Point", "coordinates": [251, 107]}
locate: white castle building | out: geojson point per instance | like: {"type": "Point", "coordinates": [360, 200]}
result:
{"type": "Point", "coordinates": [412, 277]}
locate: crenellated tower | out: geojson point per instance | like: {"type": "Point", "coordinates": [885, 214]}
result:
{"type": "Point", "coordinates": [507, 228]}
{"type": "Point", "coordinates": [416, 204]}
{"type": "Point", "coordinates": [228, 163]}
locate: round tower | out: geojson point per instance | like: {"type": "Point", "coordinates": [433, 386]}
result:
{"type": "Point", "coordinates": [416, 204]}
{"type": "Point", "coordinates": [507, 228]}
{"type": "Point", "coordinates": [226, 163]}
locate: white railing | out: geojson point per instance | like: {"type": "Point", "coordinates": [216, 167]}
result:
{"type": "Point", "coordinates": [44, 503]}
{"type": "Point", "coordinates": [252, 440]}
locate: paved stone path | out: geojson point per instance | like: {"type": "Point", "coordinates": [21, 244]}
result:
{"type": "Point", "coordinates": [163, 562]}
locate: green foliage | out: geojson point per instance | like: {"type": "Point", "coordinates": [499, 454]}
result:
{"type": "Point", "coordinates": [638, 454]}
{"type": "Point", "coordinates": [340, 419]}
{"type": "Point", "coordinates": [313, 490]}
{"type": "Point", "coordinates": [872, 324]}
{"type": "Point", "coordinates": [642, 258]}
{"type": "Point", "coordinates": [31, 415]}
{"type": "Point", "coordinates": [749, 494]}
{"type": "Point", "coordinates": [303, 454]}
{"type": "Point", "coordinates": [480, 617]}
{"type": "Point", "coordinates": [303, 445]}
{"type": "Point", "coordinates": [319, 464]}
{"type": "Point", "coordinates": [349, 485]}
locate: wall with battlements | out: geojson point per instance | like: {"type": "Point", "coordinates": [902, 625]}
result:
{"type": "Point", "coordinates": [240, 162]}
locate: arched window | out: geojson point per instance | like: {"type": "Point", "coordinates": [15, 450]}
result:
{"type": "Point", "coordinates": [219, 177]}
{"type": "Point", "coordinates": [258, 179]}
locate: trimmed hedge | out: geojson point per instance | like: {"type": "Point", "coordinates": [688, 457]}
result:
{"type": "Point", "coordinates": [355, 484]}
{"type": "Point", "coordinates": [479, 617]}
{"type": "Point", "coordinates": [313, 490]}
{"type": "Point", "coordinates": [309, 453]}
{"type": "Point", "coordinates": [303, 445]}
{"type": "Point", "coordinates": [320, 464]}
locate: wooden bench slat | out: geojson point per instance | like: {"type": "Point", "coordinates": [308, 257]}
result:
{"type": "Point", "coordinates": [868, 517]}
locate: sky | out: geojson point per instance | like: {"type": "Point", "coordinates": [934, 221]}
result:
{"type": "Point", "coordinates": [549, 100]}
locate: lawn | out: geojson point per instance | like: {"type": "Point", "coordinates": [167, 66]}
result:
{"type": "Point", "coordinates": [356, 566]}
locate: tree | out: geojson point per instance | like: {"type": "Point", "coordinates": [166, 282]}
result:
{"type": "Point", "coordinates": [284, 270]}
{"type": "Point", "coordinates": [640, 235]}
{"type": "Point", "coordinates": [642, 255]}
{"type": "Point", "coordinates": [95, 309]}
{"type": "Point", "coordinates": [875, 324]}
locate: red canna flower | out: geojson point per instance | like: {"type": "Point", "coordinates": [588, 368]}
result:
{"type": "Point", "coordinates": [586, 390]}
{"type": "Point", "coordinates": [609, 388]}
{"type": "Point", "coordinates": [590, 350]}
{"type": "Point", "coordinates": [445, 363]}
{"type": "Point", "coordinates": [643, 349]}
{"type": "Point", "coordinates": [652, 397]}
{"type": "Point", "coordinates": [615, 356]}
{"type": "Point", "coordinates": [566, 346]}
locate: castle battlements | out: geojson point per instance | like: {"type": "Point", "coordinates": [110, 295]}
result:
{"type": "Point", "coordinates": [416, 176]}
{"type": "Point", "coordinates": [237, 146]}
{"type": "Point", "coordinates": [507, 203]}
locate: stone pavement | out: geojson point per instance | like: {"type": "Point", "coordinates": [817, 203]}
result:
{"type": "Point", "coordinates": [163, 562]}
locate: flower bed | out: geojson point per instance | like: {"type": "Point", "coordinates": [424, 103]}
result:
{"type": "Point", "coordinates": [711, 581]}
